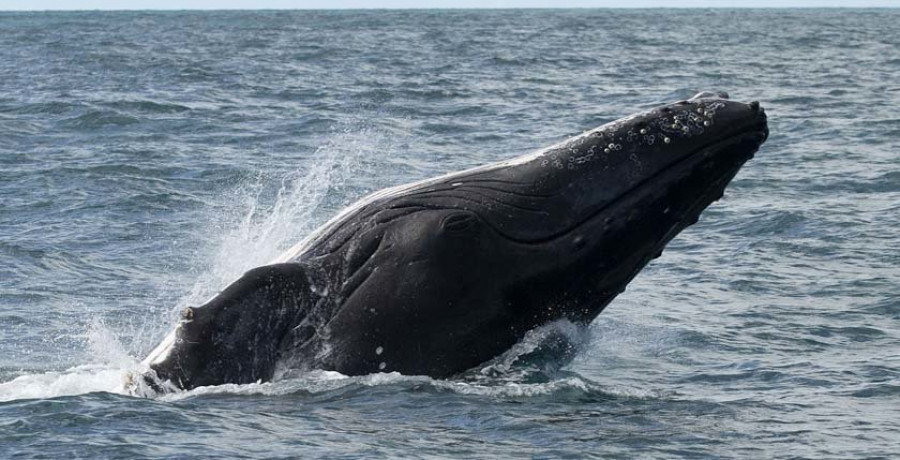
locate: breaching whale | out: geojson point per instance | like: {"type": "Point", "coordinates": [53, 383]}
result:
{"type": "Point", "coordinates": [439, 276]}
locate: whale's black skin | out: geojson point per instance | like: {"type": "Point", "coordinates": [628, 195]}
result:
{"type": "Point", "coordinates": [437, 277]}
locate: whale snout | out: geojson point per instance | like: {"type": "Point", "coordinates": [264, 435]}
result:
{"type": "Point", "coordinates": [761, 120]}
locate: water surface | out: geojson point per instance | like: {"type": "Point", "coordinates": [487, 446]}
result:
{"type": "Point", "coordinates": [148, 159]}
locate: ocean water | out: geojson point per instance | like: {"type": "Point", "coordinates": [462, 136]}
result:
{"type": "Point", "coordinates": [148, 159]}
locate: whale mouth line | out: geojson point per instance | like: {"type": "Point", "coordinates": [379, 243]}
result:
{"type": "Point", "coordinates": [755, 131]}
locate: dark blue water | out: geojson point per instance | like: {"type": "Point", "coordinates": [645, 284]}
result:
{"type": "Point", "coordinates": [148, 159]}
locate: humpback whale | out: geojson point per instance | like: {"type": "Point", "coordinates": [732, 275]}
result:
{"type": "Point", "coordinates": [439, 276]}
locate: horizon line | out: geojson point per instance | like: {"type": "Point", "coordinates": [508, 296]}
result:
{"type": "Point", "coordinates": [112, 10]}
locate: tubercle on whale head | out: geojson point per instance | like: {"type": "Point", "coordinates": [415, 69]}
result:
{"type": "Point", "coordinates": [670, 130]}
{"type": "Point", "coordinates": [586, 173]}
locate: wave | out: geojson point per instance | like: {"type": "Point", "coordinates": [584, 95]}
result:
{"type": "Point", "coordinates": [146, 106]}
{"type": "Point", "coordinates": [885, 390]}
{"type": "Point", "coordinates": [95, 119]}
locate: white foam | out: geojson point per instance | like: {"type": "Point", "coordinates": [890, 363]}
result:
{"type": "Point", "coordinates": [317, 382]}
{"type": "Point", "coordinates": [106, 373]}
{"type": "Point", "coordinates": [75, 381]}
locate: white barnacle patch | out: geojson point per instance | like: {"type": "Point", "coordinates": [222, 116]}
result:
{"type": "Point", "coordinates": [382, 365]}
{"type": "Point", "coordinates": [714, 106]}
{"type": "Point", "coordinates": [575, 152]}
{"type": "Point", "coordinates": [582, 159]}
{"type": "Point", "coordinates": [694, 125]}
{"type": "Point", "coordinates": [662, 125]}
{"type": "Point", "coordinates": [379, 351]}
{"type": "Point", "coordinates": [553, 156]}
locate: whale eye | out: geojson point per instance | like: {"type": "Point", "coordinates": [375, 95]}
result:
{"type": "Point", "coordinates": [459, 222]}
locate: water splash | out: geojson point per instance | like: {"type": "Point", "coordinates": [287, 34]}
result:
{"type": "Point", "coordinates": [256, 228]}
{"type": "Point", "coordinates": [105, 374]}
{"type": "Point", "coordinates": [538, 357]}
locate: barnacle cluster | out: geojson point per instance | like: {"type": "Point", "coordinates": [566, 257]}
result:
{"type": "Point", "coordinates": [662, 125]}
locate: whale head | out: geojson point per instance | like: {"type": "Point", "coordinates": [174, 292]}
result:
{"type": "Point", "coordinates": [475, 259]}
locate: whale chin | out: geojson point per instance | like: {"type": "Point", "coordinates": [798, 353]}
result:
{"type": "Point", "coordinates": [442, 275]}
